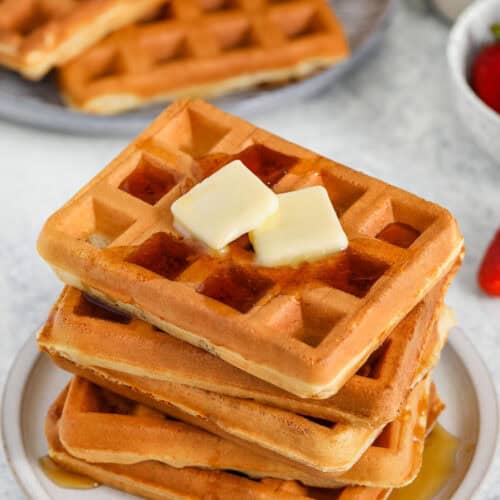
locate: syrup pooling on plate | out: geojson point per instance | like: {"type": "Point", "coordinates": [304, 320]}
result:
{"type": "Point", "coordinates": [65, 478]}
{"type": "Point", "coordinates": [437, 467]}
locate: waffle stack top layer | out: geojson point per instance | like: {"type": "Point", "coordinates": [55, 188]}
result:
{"type": "Point", "coordinates": [36, 35]}
{"type": "Point", "coordinates": [306, 329]}
{"type": "Point", "coordinates": [196, 48]}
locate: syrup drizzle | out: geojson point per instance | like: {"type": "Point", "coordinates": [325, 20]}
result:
{"type": "Point", "coordinates": [64, 478]}
{"type": "Point", "coordinates": [437, 467]}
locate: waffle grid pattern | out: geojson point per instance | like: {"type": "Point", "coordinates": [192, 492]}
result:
{"type": "Point", "coordinates": [193, 47]}
{"type": "Point", "coordinates": [32, 32]}
{"type": "Point", "coordinates": [372, 397]}
{"type": "Point", "coordinates": [310, 310]}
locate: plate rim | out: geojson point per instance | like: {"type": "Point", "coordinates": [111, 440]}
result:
{"type": "Point", "coordinates": [73, 122]}
{"type": "Point", "coordinates": [484, 388]}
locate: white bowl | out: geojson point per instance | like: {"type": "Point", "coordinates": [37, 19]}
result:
{"type": "Point", "coordinates": [470, 32]}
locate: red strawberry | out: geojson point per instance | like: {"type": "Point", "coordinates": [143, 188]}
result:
{"type": "Point", "coordinates": [489, 273]}
{"type": "Point", "coordinates": [485, 75]}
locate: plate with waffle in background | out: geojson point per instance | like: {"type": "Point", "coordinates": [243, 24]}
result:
{"type": "Point", "coordinates": [109, 66]}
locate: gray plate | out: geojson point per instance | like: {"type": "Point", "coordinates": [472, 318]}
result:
{"type": "Point", "coordinates": [39, 104]}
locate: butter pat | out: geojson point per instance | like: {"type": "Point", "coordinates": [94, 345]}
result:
{"type": "Point", "coordinates": [224, 206]}
{"type": "Point", "coordinates": [305, 228]}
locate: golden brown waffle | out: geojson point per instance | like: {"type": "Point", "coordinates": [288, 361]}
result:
{"type": "Point", "coordinates": [283, 437]}
{"type": "Point", "coordinates": [204, 48]}
{"type": "Point", "coordinates": [36, 35]}
{"type": "Point", "coordinates": [306, 329]}
{"type": "Point", "coordinates": [156, 480]}
{"type": "Point", "coordinates": [91, 413]}
{"type": "Point", "coordinates": [87, 334]}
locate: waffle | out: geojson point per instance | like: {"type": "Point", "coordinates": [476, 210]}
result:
{"type": "Point", "coordinates": [200, 49]}
{"type": "Point", "coordinates": [282, 435]}
{"type": "Point", "coordinates": [312, 445]}
{"type": "Point", "coordinates": [306, 329]}
{"type": "Point", "coordinates": [90, 413]}
{"type": "Point", "coordinates": [87, 334]}
{"type": "Point", "coordinates": [36, 35]}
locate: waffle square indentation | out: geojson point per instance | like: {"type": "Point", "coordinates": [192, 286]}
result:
{"type": "Point", "coordinates": [350, 272]}
{"type": "Point", "coordinates": [148, 182]}
{"type": "Point", "coordinates": [299, 20]}
{"type": "Point", "coordinates": [193, 133]}
{"type": "Point", "coordinates": [164, 254]}
{"type": "Point", "coordinates": [237, 287]}
{"type": "Point", "coordinates": [268, 165]}
{"type": "Point", "coordinates": [399, 234]}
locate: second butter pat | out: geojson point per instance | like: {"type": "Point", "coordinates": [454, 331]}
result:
{"type": "Point", "coordinates": [224, 206]}
{"type": "Point", "coordinates": [305, 228]}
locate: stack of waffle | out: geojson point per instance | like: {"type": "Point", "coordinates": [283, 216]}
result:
{"type": "Point", "coordinates": [115, 55]}
{"type": "Point", "coordinates": [203, 374]}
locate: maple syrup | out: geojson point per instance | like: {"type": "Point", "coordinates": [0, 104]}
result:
{"type": "Point", "coordinates": [93, 308]}
{"type": "Point", "coordinates": [351, 273]}
{"type": "Point", "coordinates": [163, 254]}
{"type": "Point", "coordinates": [399, 234]}
{"type": "Point", "coordinates": [236, 287]}
{"type": "Point", "coordinates": [148, 182]}
{"type": "Point", "coordinates": [240, 286]}
{"type": "Point", "coordinates": [437, 467]}
{"type": "Point", "coordinates": [268, 165]}
{"type": "Point", "coordinates": [64, 478]}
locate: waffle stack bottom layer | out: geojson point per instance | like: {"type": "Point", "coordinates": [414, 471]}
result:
{"type": "Point", "coordinates": [83, 410]}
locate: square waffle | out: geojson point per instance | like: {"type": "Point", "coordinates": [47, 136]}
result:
{"type": "Point", "coordinates": [90, 413]}
{"type": "Point", "coordinates": [282, 435]}
{"type": "Point", "coordinates": [36, 35]}
{"type": "Point", "coordinates": [306, 329]}
{"type": "Point", "coordinates": [323, 449]}
{"type": "Point", "coordinates": [85, 333]}
{"type": "Point", "coordinates": [196, 48]}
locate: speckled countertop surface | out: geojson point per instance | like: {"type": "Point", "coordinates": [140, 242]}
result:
{"type": "Point", "coordinates": [392, 118]}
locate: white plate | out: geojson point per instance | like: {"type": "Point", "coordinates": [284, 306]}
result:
{"type": "Point", "coordinates": [462, 379]}
{"type": "Point", "coordinates": [40, 105]}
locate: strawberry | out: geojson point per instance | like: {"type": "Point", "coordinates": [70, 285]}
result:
{"type": "Point", "coordinates": [489, 272]}
{"type": "Point", "coordinates": [485, 75]}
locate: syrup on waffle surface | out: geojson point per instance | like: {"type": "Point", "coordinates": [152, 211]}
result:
{"type": "Point", "coordinates": [88, 334]}
{"type": "Point", "coordinates": [320, 448]}
{"type": "Point", "coordinates": [90, 413]}
{"type": "Point", "coordinates": [36, 35]}
{"type": "Point", "coordinates": [306, 329]}
{"type": "Point", "coordinates": [200, 48]}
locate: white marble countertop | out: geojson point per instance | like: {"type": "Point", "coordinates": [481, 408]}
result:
{"type": "Point", "coordinates": [392, 118]}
